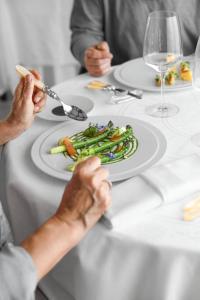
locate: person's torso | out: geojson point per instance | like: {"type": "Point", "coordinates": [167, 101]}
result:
{"type": "Point", "coordinates": [125, 23]}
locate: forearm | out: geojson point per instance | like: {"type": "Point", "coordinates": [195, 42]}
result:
{"type": "Point", "coordinates": [76, 214]}
{"type": "Point", "coordinates": [51, 242]}
{"type": "Point", "coordinates": [86, 26]}
{"type": "Point", "coordinates": [8, 131]}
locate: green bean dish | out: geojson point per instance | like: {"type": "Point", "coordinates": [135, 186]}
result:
{"type": "Point", "coordinates": [111, 144]}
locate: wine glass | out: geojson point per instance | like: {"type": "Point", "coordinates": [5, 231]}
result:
{"type": "Point", "coordinates": [196, 84]}
{"type": "Point", "coordinates": [162, 49]}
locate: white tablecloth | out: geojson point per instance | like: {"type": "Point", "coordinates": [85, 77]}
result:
{"type": "Point", "coordinates": [35, 34]}
{"type": "Point", "coordinates": [155, 257]}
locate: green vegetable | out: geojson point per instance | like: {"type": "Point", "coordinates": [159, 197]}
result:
{"type": "Point", "coordinates": [91, 141]}
{"type": "Point", "coordinates": [91, 131]}
{"type": "Point", "coordinates": [125, 153]}
{"type": "Point", "coordinates": [58, 149]}
{"type": "Point", "coordinates": [106, 145]}
{"type": "Point", "coordinates": [110, 144]}
{"type": "Point", "coordinates": [81, 144]}
{"type": "Point", "coordinates": [185, 64]}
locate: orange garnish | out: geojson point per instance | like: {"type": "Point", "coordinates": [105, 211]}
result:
{"type": "Point", "coordinates": [71, 151]}
{"type": "Point", "coordinates": [115, 138]}
{"type": "Point", "coordinates": [119, 148]}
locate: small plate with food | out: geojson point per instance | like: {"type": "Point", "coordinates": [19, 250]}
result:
{"type": "Point", "coordinates": [136, 74]}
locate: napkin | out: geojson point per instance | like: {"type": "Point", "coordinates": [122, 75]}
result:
{"type": "Point", "coordinates": [160, 185]}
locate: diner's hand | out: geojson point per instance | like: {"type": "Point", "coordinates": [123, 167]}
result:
{"type": "Point", "coordinates": [85, 199]}
{"type": "Point", "coordinates": [39, 98]}
{"type": "Point", "coordinates": [87, 196]}
{"type": "Point", "coordinates": [97, 59]}
{"type": "Point", "coordinates": [27, 101]}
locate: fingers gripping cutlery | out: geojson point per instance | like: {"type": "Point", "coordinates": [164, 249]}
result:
{"type": "Point", "coordinates": [70, 111]}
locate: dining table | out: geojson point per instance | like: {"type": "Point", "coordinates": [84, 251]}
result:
{"type": "Point", "coordinates": [150, 253]}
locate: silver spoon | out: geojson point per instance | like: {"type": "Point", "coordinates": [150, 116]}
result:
{"type": "Point", "coordinates": [70, 111]}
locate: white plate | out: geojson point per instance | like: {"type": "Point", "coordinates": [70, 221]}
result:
{"type": "Point", "coordinates": [152, 145]}
{"type": "Point", "coordinates": [83, 102]}
{"type": "Point", "coordinates": [136, 74]}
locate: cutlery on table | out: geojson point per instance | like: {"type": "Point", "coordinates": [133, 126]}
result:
{"type": "Point", "coordinates": [119, 99]}
{"type": "Point", "coordinates": [99, 85]}
{"type": "Point", "coordinates": [70, 111]}
{"type": "Point", "coordinates": [118, 91]}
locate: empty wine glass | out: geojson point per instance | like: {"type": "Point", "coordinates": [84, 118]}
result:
{"type": "Point", "coordinates": [162, 49]}
{"type": "Point", "coordinates": [196, 84]}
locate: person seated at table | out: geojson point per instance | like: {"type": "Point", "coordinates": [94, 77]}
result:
{"type": "Point", "coordinates": [21, 267]}
{"type": "Point", "coordinates": [110, 31]}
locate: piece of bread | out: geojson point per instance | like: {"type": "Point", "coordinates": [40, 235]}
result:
{"type": "Point", "coordinates": [191, 211]}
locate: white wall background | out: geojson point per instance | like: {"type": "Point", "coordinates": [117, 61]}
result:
{"type": "Point", "coordinates": [35, 33]}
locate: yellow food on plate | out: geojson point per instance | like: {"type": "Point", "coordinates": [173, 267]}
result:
{"type": "Point", "coordinates": [182, 72]}
{"type": "Point", "coordinates": [170, 79]}
{"type": "Point", "coordinates": [185, 71]}
{"type": "Point", "coordinates": [184, 66]}
{"type": "Point", "coordinates": [158, 80]}
{"type": "Point", "coordinates": [172, 69]}
{"type": "Point", "coordinates": [186, 75]}
{"type": "Point", "coordinates": [171, 76]}
{"type": "Point", "coordinates": [170, 58]}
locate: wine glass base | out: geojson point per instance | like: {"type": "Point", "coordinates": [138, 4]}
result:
{"type": "Point", "coordinates": [163, 110]}
{"type": "Point", "coordinates": [195, 139]}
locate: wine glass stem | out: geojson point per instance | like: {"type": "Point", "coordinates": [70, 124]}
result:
{"type": "Point", "coordinates": [162, 75]}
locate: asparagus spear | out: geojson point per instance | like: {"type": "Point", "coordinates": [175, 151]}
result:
{"type": "Point", "coordinates": [126, 151]}
{"type": "Point", "coordinates": [106, 145]}
{"type": "Point", "coordinates": [81, 144]}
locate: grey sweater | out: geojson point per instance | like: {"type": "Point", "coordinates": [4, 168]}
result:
{"type": "Point", "coordinates": [17, 272]}
{"type": "Point", "coordinates": [122, 24]}
{"type": "Point", "coordinates": [18, 278]}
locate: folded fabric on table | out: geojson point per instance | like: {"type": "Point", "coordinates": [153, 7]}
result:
{"type": "Point", "coordinates": [177, 179]}
{"type": "Point", "coordinates": [162, 184]}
